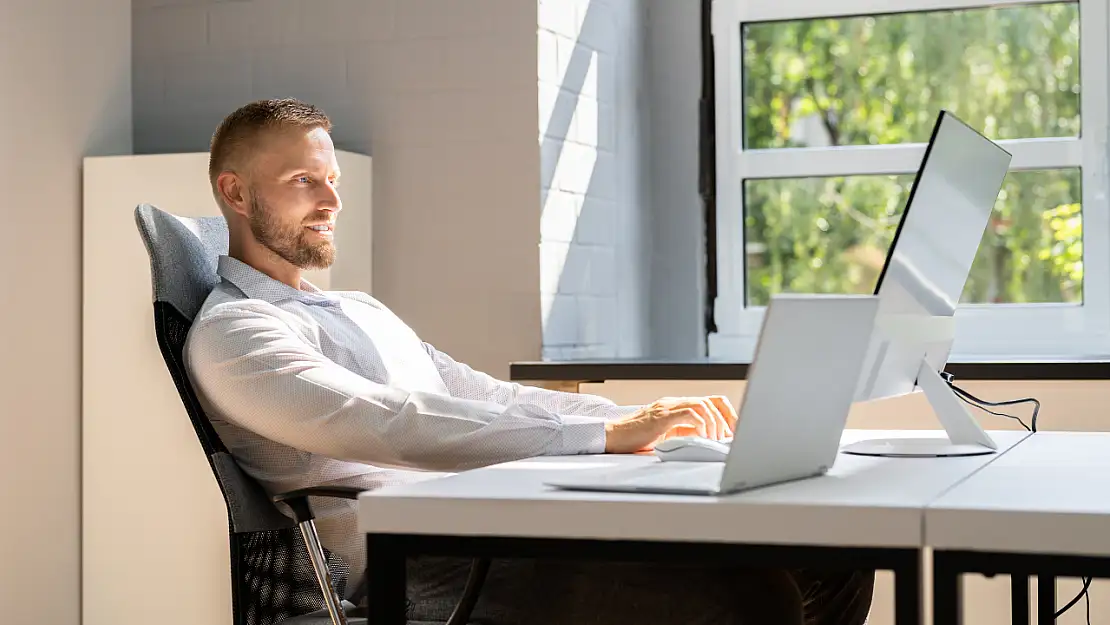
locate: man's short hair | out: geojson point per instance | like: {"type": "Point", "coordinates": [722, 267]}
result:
{"type": "Point", "coordinates": [239, 131]}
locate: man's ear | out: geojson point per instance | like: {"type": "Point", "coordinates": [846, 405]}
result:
{"type": "Point", "coordinates": [232, 190]}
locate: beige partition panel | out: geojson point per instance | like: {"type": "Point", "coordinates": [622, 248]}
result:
{"type": "Point", "coordinates": [1078, 405]}
{"type": "Point", "coordinates": [154, 527]}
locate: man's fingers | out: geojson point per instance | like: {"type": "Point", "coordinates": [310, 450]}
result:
{"type": "Point", "coordinates": [688, 417]}
{"type": "Point", "coordinates": [681, 430]}
{"type": "Point", "coordinates": [716, 413]}
{"type": "Point", "coordinates": [723, 429]}
{"type": "Point", "coordinates": [715, 426]}
{"type": "Point", "coordinates": [716, 416]}
{"type": "Point", "coordinates": [727, 411]}
{"type": "Point", "coordinates": [712, 425]}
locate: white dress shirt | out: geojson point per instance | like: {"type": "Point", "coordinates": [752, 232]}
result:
{"type": "Point", "coordinates": [308, 387]}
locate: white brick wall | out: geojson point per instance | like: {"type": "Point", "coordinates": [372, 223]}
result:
{"type": "Point", "coordinates": [593, 263]}
{"type": "Point", "coordinates": [441, 93]}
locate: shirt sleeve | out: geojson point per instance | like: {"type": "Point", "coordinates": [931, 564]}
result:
{"type": "Point", "coordinates": [463, 381]}
{"type": "Point", "coordinates": [256, 372]}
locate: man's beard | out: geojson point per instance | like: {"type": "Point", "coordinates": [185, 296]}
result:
{"type": "Point", "coordinates": [288, 240]}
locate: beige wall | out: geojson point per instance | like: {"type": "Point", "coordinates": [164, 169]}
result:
{"type": "Point", "coordinates": [1065, 405]}
{"type": "Point", "coordinates": [65, 67]}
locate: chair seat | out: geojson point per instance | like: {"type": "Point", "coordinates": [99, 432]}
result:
{"type": "Point", "coordinates": [321, 618]}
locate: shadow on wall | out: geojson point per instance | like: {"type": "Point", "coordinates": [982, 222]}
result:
{"type": "Point", "coordinates": [583, 237]}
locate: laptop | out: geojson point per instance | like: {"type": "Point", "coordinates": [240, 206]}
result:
{"type": "Point", "coordinates": [801, 383]}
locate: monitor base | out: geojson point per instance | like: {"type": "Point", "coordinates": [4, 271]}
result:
{"type": "Point", "coordinates": [964, 437]}
{"type": "Point", "coordinates": [914, 448]}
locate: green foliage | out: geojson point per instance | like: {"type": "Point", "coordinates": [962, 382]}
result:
{"type": "Point", "coordinates": [1065, 245]}
{"type": "Point", "coordinates": [1010, 72]}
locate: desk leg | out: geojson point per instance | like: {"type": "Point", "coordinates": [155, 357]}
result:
{"type": "Point", "coordinates": [947, 594]}
{"type": "Point", "coordinates": [385, 581]}
{"type": "Point", "coordinates": [1046, 599]}
{"type": "Point", "coordinates": [907, 590]}
{"type": "Point", "coordinates": [1019, 599]}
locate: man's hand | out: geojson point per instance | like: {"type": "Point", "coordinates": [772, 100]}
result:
{"type": "Point", "coordinates": [711, 417]}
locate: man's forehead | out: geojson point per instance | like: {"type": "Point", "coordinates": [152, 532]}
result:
{"type": "Point", "coordinates": [295, 149]}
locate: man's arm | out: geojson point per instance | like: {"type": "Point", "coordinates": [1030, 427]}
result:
{"type": "Point", "coordinates": [464, 382]}
{"type": "Point", "coordinates": [260, 375]}
{"type": "Point", "coordinates": [629, 428]}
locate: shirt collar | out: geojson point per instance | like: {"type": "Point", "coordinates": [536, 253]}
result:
{"type": "Point", "coordinates": [257, 285]}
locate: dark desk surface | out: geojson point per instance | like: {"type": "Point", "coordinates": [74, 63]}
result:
{"type": "Point", "coordinates": [634, 369]}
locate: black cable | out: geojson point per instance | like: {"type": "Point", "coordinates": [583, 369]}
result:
{"type": "Point", "coordinates": [989, 411]}
{"type": "Point", "coordinates": [1082, 594]}
{"type": "Point", "coordinates": [1011, 402]}
{"type": "Point", "coordinates": [981, 403]}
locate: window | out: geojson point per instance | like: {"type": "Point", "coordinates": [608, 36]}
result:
{"type": "Point", "coordinates": [823, 108]}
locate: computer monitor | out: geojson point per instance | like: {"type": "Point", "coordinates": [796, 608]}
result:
{"type": "Point", "coordinates": [926, 268]}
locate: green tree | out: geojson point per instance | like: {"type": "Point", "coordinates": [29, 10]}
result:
{"type": "Point", "coordinates": [1009, 72]}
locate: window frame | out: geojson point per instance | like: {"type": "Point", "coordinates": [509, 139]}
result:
{"type": "Point", "coordinates": [984, 332]}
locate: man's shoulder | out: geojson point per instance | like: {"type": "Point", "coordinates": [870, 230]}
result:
{"type": "Point", "coordinates": [357, 296]}
{"type": "Point", "coordinates": [224, 305]}
{"type": "Point", "coordinates": [226, 300]}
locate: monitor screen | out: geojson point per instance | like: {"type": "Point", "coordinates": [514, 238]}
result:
{"type": "Point", "coordinates": [947, 212]}
{"type": "Point", "coordinates": [930, 258]}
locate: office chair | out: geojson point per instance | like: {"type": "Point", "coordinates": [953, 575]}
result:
{"type": "Point", "coordinates": [280, 573]}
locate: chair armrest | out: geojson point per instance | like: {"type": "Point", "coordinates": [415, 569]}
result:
{"type": "Point", "coordinates": [341, 492]}
{"type": "Point", "coordinates": [297, 500]}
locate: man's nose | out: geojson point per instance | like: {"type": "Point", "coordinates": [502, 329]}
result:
{"type": "Point", "coordinates": [330, 200]}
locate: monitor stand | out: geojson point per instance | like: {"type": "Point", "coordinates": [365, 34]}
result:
{"type": "Point", "coordinates": [965, 436]}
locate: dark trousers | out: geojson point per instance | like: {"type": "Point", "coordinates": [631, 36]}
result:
{"type": "Point", "coordinates": [546, 592]}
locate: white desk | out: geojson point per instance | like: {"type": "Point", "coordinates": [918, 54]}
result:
{"type": "Point", "coordinates": [866, 512]}
{"type": "Point", "coordinates": [1041, 509]}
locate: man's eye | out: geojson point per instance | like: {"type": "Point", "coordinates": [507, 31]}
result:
{"type": "Point", "coordinates": [303, 179]}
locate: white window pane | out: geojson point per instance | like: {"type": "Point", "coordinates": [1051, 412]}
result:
{"type": "Point", "coordinates": [1012, 72]}
{"type": "Point", "coordinates": [831, 235]}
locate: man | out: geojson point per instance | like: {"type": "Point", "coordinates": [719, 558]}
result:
{"type": "Point", "coordinates": [308, 387]}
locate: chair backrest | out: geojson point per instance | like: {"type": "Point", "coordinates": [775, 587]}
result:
{"type": "Point", "coordinates": [184, 252]}
{"type": "Point", "coordinates": [272, 576]}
